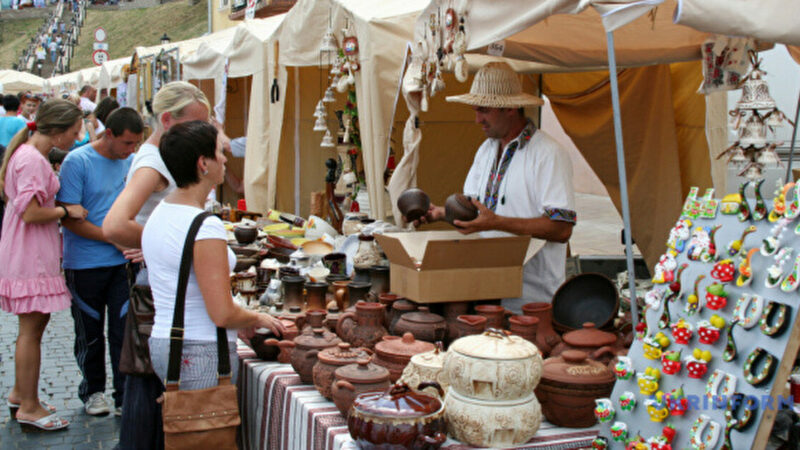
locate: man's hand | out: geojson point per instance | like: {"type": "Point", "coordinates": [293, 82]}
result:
{"type": "Point", "coordinates": [486, 220]}
{"type": "Point", "coordinates": [133, 255]}
{"type": "Point", "coordinates": [434, 214]}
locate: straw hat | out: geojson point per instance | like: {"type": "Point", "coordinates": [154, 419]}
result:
{"type": "Point", "coordinates": [496, 85]}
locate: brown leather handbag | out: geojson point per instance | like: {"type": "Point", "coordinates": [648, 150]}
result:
{"type": "Point", "coordinates": [135, 355]}
{"type": "Point", "coordinates": [202, 418]}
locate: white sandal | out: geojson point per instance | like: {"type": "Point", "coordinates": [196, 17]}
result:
{"type": "Point", "coordinates": [46, 423]}
{"type": "Point", "coordinates": [13, 407]}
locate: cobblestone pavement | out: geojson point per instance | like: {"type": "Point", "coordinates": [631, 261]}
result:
{"type": "Point", "coordinates": [59, 386]}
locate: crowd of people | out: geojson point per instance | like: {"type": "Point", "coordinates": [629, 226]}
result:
{"type": "Point", "coordinates": [88, 204]}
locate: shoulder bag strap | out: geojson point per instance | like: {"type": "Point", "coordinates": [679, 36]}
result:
{"type": "Point", "coordinates": [176, 332]}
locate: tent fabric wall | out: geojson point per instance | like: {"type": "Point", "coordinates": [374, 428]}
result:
{"type": "Point", "coordinates": [665, 149]}
{"type": "Point", "coordinates": [767, 20]}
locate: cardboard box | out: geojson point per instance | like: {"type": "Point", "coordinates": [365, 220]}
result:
{"type": "Point", "coordinates": [443, 266]}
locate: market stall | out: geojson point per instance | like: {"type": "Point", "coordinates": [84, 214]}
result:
{"type": "Point", "coordinates": [13, 82]}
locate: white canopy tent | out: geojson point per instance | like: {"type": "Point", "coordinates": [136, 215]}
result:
{"type": "Point", "coordinates": [12, 82]}
{"type": "Point", "coordinates": [111, 73]}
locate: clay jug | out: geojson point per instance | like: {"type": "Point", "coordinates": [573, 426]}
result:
{"type": "Point", "coordinates": [364, 327]}
{"type": "Point", "coordinates": [293, 291]}
{"type": "Point", "coordinates": [546, 336]}
{"type": "Point", "coordinates": [315, 295]}
{"type": "Point", "coordinates": [495, 315]}
{"type": "Point", "coordinates": [469, 325]}
{"type": "Point", "coordinates": [451, 312]}
{"type": "Point", "coordinates": [524, 327]}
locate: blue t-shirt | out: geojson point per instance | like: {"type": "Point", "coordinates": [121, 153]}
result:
{"type": "Point", "coordinates": [93, 181]}
{"type": "Point", "coordinates": [9, 126]}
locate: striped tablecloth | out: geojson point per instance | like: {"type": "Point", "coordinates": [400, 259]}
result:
{"type": "Point", "coordinates": [279, 412]}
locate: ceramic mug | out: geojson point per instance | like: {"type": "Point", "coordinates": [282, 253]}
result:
{"type": "Point", "coordinates": [336, 263]}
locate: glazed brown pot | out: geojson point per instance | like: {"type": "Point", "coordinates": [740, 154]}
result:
{"type": "Point", "coordinates": [329, 360]}
{"type": "Point", "coordinates": [267, 347]}
{"type": "Point", "coordinates": [546, 336]}
{"type": "Point", "coordinates": [400, 307]}
{"type": "Point", "coordinates": [423, 324]}
{"type": "Point", "coordinates": [459, 207]}
{"type": "Point", "coordinates": [364, 327]}
{"type": "Point", "coordinates": [413, 203]}
{"type": "Point", "coordinates": [245, 234]}
{"type": "Point", "coordinates": [394, 352]}
{"type": "Point", "coordinates": [495, 315]}
{"type": "Point", "coordinates": [524, 326]}
{"type": "Point", "coordinates": [599, 345]}
{"type": "Point", "coordinates": [570, 384]}
{"type": "Point", "coordinates": [398, 418]}
{"type": "Point", "coordinates": [354, 379]}
{"type": "Point", "coordinates": [306, 348]}
{"type": "Point", "coordinates": [340, 293]}
{"type": "Point", "coordinates": [469, 324]}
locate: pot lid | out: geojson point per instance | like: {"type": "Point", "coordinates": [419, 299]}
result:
{"type": "Point", "coordinates": [341, 354]}
{"type": "Point", "coordinates": [398, 401]}
{"type": "Point", "coordinates": [433, 359]}
{"type": "Point", "coordinates": [589, 336]}
{"type": "Point", "coordinates": [494, 344]}
{"type": "Point", "coordinates": [362, 372]}
{"type": "Point", "coordinates": [405, 346]}
{"type": "Point", "coordinates": [423, 315]}
{"type": "Point", "coordinates": [319, 338]}
{"type": "Point", "coordinates": [403, 305]}
{"type": "Point", "coordinates": [575, 367]}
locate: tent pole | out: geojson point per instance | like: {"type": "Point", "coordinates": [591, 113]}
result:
{"type": "Point", "coordinates": [623, 180]}
{"type": "Point", "coordinates": [794, 137]}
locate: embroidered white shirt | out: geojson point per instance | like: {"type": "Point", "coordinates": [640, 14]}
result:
{"type": "Point", "coordinates": [539, 176]}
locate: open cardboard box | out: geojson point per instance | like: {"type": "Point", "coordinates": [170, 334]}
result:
{"type": "Point", "coordinates": [444, 266]}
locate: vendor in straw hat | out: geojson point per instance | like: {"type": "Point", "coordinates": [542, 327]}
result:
{"type": "Point", "coordinates": [520, 179]}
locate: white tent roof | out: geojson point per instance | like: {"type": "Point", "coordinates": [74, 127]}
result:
{"type": "Point", "coordinates": [111, 72]}
{"type": "Point", "coordinates": [247, 52]}
{"type": "Point", "coordinates": [68, 81]}
{"type": "Point", "coordinates": [208, 60]}
{"type": "Point", "coordinates": [12, 82]}
{"type": "Point", "coordinates": [767, 20]}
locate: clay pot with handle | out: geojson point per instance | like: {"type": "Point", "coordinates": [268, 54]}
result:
{"type": "Point", "coordinates": [599, 345]}
{"type": "Point", "coordinates": [395, 352]}
{"type": "Point", "coordinates": [354, 379]}
{"type": "Point", "coordinates": [364, 327]}
{"type": "Point", "coordinates": [423, 324]}
{"type": "Point", "coordinates": [330, 359]}
{"type": "Point", "coordinates": [546, 336]}
{"type": "Point", "coordinates": [306, 347]}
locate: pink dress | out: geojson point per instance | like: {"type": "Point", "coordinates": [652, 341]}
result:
{"type": "Point", "coordinates": [30, 254]}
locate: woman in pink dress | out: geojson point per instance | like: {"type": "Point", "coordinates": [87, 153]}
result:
{"type": "Point", "coordinates": [31, 284]}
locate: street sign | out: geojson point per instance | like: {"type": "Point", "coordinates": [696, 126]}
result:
{"type": "Point", "coordinates": [100, 34]}
{"type": "Point", "coordinates": [100, 46]}
{"type": "Point", "coordinates": [99, 57]}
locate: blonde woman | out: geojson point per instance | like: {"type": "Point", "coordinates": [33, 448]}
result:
{"type": "Point", "coordinates": [149, 181]}
{"type": "Point", "coordinates": [31, 284]}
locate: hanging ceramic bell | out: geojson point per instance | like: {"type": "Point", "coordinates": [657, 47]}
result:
{"type": "Point", "coordinates": [775, 118]}
{"type": "Point", "coordinates": [320, 124]}
{"type": "Point", "coordinates": [754, 132]}
{"type": "Point", "coordinates": [327, 140]}
{"type": "Point", "coordinates": [738, 157]}
{"type": "Point", "coordinates": [328, 98]}
{"type": "Point", "coordinates": [319, 111]}
{"type": "Point", "coordinates": [336, 68]}
{"type": "Point", "coordinates": [768, 156]}
{"type": "Point", "coordinates": [755, 92]}
{"type": "Point", "coordinates": [329, 43]}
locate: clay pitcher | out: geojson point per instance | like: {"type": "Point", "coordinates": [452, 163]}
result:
{"type": "Point", "coordinates": [546, 336]}
{"type": "Point", "coordinates": [524, 327]}
{"type": "Point", "coordinates": [340, 294]}
{"type": "Point", "coordinates": [364, 327]}
{"type": "Point", "coordinates": [470, 324]}
{"type": "Point", "coordinates": [495, 315]}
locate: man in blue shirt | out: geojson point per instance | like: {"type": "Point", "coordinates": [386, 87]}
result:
{"type": "Point", "coordinates": [93, 176]}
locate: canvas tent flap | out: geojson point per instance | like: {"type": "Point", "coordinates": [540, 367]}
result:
{"type": "Point", "coordinates": [247, 51]}
{"type": "Point", "coordinates": [13, 82]}
{"type": "Point", "coordinates": [767, 20]}
{"type": "Point", "coordinates": [208, 59]}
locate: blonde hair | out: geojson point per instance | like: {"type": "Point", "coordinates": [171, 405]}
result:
{"type": "Point", "coordinates": [55, 116]}
{"type": "Point", "coordinates": [74, 98]}
{"type": "Point", "coordinates": [174, 97]}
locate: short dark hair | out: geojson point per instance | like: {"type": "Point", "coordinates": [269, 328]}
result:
{"type": "Point", "coordinates": [185, 143]}
{"type": "Point", "coordinates": [10, 102]}
{"type": "Point", "coordinates": [84, 89]}
{"type": "Point", "coordinates": [122, 119]}
{"type": "Point", "coordinates": [104, 108]}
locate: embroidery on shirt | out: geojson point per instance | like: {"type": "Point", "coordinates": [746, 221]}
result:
{"type": "Point", "coordinates": [499, 171]}
{"type": "Point", "coordinates": [561, 215]}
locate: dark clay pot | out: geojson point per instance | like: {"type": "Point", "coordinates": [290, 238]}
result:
{"type": "Point", "coordinates": [329, 360]}
{"type": "Point", "coordinates": [413, 203]}
{"type": "Point", "coordinates": [306, 347]}
{"type": "Point", "coordinates": [364, 327]}
{"type": "Point", "coordinates": [354, 379]}
{"type": "Point", "coordinates": [379, 277]}
{"type": "Point", "coordinates": [316, 295]}
{"type": "Point", "coordinates": [459, 207]}
{"type": "Point", "coordinates": [423, 324]}
{"type": "Point", "coordinates": [245, 234]}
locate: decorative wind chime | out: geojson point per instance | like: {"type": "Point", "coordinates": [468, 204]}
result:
{"type": "Point", "coordinates": [441, 48]}
{"type": "Point", "coordinates": [344, 63]}
{"type": "Point", "coordinates": [755, 114]}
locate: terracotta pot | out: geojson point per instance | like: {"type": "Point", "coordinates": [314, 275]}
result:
{"type": "Point", "coordinates": [292, 286]}
{"type": "Point", "coordinates": [495, 315]}
{"type": "Point", "coordinates": [493, 424]}
{"type": "Point", "coordinates": [428, 366]}
{"type": "Point", "coordinates": [524, 327]}
{"type": "Point", "coordinates": [294, 314]}
{"type": "Point", "coordinates": [354, 379]}
{"type": "Point", "coordinates": [469, 325]}
{"type": "Point", "coordinates": [329, 360]}
{"type": "Point", "coordinates": [398, 418]}
{"type": "Point", "coordinates": [314, 318]}
{"type": "Point", "coordinates": [364, 327]}
{"type": "Point", "coordinates": [315, 295]}
{"type": "Point", "coordinates": [423, 324]}
{"type": "Point", "coordinates": [493, 366]}
{"type": "Point", "coordinates": [306, 347]}
{"type": "Point", "coordinates": [570, 384]}
{"type": "Point", "coordinates": [379, 277]}
{"type": "Point", "coordinates": [451, 311]}
{"type": "Point", "coordinates": [332, 317]}
{"type": "Point", "coordinates": [400, 307]}
{"type": "Point", "coordinates": [546, 336]}
{"type": "Point", "coordinates": [599, 345]}
{"type": "Point", "coordinates": [387, 299]}
{"type": "Point", "coordinates": [394, 352]}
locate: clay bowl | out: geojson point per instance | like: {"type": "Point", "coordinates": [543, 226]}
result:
{"type": "Point", "coordinates": [244, 250]}
{"type": "Point", "coordinates": [587, 297]}
{"type": "Point", "coordinates": [413, 203]}
{"type": "Point", "coordinates": [280, 253]}
{"type": "Point", "coordinates": [319, 248]}
{"type": "Point", "coordinates": [242, 264]}
{"type": "Point", "coordinates": [245, 234]}
{"type": "Point", "coordinates": [459, 207]}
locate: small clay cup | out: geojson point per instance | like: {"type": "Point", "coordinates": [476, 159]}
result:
{"type": "Point", "coordinates": [413, 204]}
{"type": "Point", "coordinates": [459, 207]}
{"type": "Point", "coordinates": [245, 234]}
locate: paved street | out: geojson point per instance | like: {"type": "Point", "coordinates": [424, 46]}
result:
{"type": "Point", "coordinates": [59, 386]}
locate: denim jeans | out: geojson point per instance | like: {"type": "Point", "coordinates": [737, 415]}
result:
{"type": "Point", "coordinates": [93, 291]}
{"type": "Point", "coordinates": [141, 427]}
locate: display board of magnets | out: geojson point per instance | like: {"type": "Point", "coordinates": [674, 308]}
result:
{"type": "Point", "coordinates": [709, 366]}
